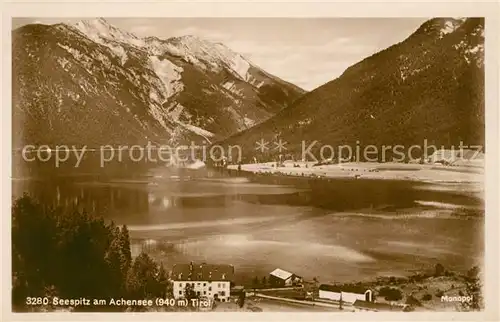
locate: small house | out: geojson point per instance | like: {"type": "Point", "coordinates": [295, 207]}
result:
{"type": "Point", "coordinates": [282, 278]}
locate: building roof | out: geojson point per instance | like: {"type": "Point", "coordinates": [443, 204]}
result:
{"type": "Point", "coordinates": [330, 288]}
{"type": "Point", "coordinates": [202, 272]}
{"type": "Point", "coordinates": [345, 288]}
{"type": "Point", "coordinates": [377, 306]}
{"type": "Point", "coordinates": [279, 273]}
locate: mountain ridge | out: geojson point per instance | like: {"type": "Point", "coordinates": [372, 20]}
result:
{"type": "Point", "coordinates": [162, 91]}
{"type": "Point", "coordinates": [429, 86]}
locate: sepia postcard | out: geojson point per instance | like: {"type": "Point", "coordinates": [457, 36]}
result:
{"type": "Point", "coordinates": [324, 163]}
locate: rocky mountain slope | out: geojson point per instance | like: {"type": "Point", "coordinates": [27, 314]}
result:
{"type": "Point", "coordinates": [428, 87]}
{"type": "Point", "coordinates": [92, 83]}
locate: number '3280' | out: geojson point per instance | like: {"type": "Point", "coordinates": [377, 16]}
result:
{"type": "Point", "coordinates": [37, 300]}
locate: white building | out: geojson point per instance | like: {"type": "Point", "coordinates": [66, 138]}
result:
{"type": "Point", "coordinates": [348, 295]}
{"type": "Point", "coordinates": [207, 280]}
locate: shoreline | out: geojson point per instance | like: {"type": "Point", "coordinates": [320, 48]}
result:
{"type": "Point", "coordinates": [424, 173]}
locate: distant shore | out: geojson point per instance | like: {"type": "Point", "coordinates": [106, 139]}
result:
{"type": "Point", "coordinates": [472, 173]}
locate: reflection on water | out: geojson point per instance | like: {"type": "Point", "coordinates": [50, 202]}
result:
{"type": "Point", "coordinates": [339, 231]}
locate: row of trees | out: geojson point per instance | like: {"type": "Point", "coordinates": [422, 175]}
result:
{"type": "Point", "coordinates": [473, 288]}
{"type": "Point", "coordinates": [74, 254]}
{"type": "Point", "coordinates": [259, 283]}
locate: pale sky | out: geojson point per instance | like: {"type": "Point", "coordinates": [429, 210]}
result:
{"type": "Point", "coordinates": [305, 51]}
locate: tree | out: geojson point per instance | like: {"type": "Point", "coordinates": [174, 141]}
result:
{"type": "Point", "coordinates": [391, 293]}
{"type": "Point", "coordinates": [315, 287]}
{"type": "Point", "coordinates": [142, 279]}
{"type": "Point", "coordinates": [255, 283]}
{"type": "Point", "coordinates": [264, 281]}
{"type": "Point", "coordinates": [189, 292]}
{"type": "Point", "coordinates": [473, 290]}
{"type": "Point", "coordinates": [33, 249]}
{"type": "Point", "coordinates": [124, 242]}
{"type": "Point", "coordinates": [241, 299]}
{"type": "Point", "coordinates": [164, 285]}
{"type": "Point", "coordinates": [53, 245]}
{"type": "Point", "coordinates": [118, 274]}
{"type": "Point", "coordinates": [439, 270]}
{"type": "Point", "coordinates": [71, 254]}
{"type": "Point", "coordinates": [413, 301]}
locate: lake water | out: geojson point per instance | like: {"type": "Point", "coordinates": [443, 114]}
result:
{"type": "Point", "coordinates": [336, 231]}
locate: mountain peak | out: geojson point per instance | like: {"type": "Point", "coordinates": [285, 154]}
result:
{"type": "Point", "coordinates": [97, 26]}
{"type": "Point", "coordinates": [440, 26]}
{"type": "Point", "coordinates": [198, 51]}
{"type": "Point", "coordinates": [191, 37]}
{"type": "Point", "coordinates": [100, 30]}
{"type": "Point", "coordinates": [196, 42]}
{"type": "Point", "coordinates": [208, 54]}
